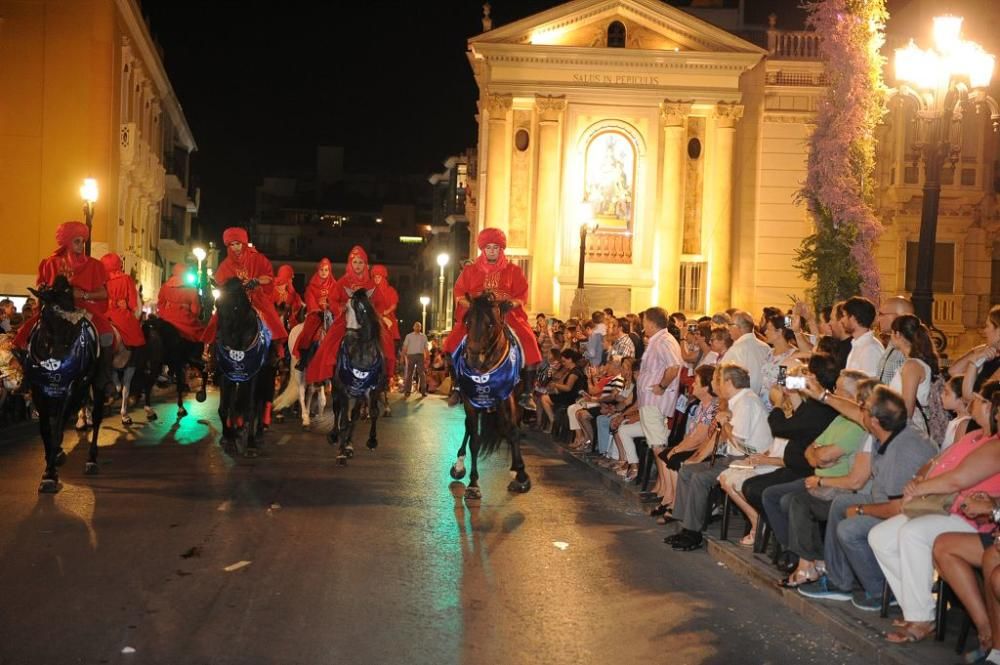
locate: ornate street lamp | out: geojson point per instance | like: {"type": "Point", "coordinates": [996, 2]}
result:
{"type": "Point", "coordinates": [442, 261]}
{"type": "Point", "coordinates": [588, 224]}
{"type": "Point", "coordinates": [943, 83]}
{"type": "Point", "coordinates": [424, 301]}
{"type": "Point", "coordinates": [88, 192]}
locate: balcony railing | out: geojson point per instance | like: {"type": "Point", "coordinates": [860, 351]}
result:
{"type": "Point", "coordinates": [793, 45]}
{"type": "Point", "coordinates": [609, 248]}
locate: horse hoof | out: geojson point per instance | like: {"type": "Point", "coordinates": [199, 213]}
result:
{"type": "Point", "coordinates": [251, 453]}
{"type": "Point", "coordinates": [306, 427]}
{"type": "Point", "coordinates": [473, 494]}
{"type": "Point", "coordinates": [342, 460]}
{"type": "Point", "coordinates": [200, 395]}
{"type": "Point", "coordinates": [181, 412]}
{"type": "Point", "coordinates": [519, 487]}
{"type": "Point", "coordinates": [90, 468]}
{"type": "Point", "coordinates": [151, 415]}
{"type": "Point", "coordinates": [60, 458]}
{"type": "Point", "coordinates": [457, 472]}
{"type": "Point", "coordinates": [371, 445]}
{"type": "Point", "coordinates": [331, 438]}
{"type": "Point", "coordinates": [349, 451]}
{"type": "Point", "coordinates": [280, 418]}
{"type": "Point", "coordinates": [126, 420]}
{"type": "Point", "coordinates": [49, 486]}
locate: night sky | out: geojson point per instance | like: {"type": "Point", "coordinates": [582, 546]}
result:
{"type": "Point", "coordinates": [262, 84]}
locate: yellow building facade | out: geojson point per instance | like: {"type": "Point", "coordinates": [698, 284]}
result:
{"type": "Point", "coordinates": [84, 94]}
{"type": "Point", "coordinates": [687, 146]}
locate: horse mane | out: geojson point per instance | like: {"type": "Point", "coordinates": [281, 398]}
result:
{"type": "Point", "coordinates": [237, 318]}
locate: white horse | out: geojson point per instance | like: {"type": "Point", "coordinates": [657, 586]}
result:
{"type": "Point", "coordinates": [297, 388]}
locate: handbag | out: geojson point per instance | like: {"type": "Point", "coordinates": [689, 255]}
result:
{"type": "Point", "coordinates": [932, 504]}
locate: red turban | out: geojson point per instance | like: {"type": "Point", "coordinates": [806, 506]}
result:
{"type": "Point", "coordinates": [112, 263]}
{"type": "Point", "coordinates": [491, 235]}
{"type": "Point", "coordinates": [285, 274]}
{"type": "Point", "coordinates": [67, 231]}
{"type": "Point", "coordinates": [380, 271]}
{"type": "Point", "coordinates": [235, 234]}
{"type": "Point", "coordinates": [357, 251]}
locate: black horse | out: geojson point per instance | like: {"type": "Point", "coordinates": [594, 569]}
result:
{"type": "Point", "coordinates": [487, 368]}
{"type": "Point", "coordinates": [359, 376]}
{"type": "Point", "coordinates": [244, 360]}
{"type": "Point", "coordinates": [145, 365]}
{"type": "Point", "coordinates": [60, 366]}
{"type": "Point", "coordinates": [177, 353]}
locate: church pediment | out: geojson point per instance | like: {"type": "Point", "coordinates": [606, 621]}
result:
{"type": "Point", "coordinates": [649, 25]}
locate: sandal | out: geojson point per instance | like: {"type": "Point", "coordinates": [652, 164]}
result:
{"type": "Point", "coordinates": [914, 632]}
{"type": "Point", "coordinates": [798, 578]}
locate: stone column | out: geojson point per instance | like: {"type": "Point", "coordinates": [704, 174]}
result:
{"type": "Point", "coordinates": [670, 228]}
{"type": "Point", "coordinates": [497, 189]}
{"type": "Point", "coordinates": [547, 221]}
{"type": "Point", "coordinates": [718, 210]}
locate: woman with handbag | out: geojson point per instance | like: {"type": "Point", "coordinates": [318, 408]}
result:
{"type": "Point", "coordinates": [932, 506]}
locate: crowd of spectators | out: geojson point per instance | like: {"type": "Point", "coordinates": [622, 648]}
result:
{"type": "Point", "coordinates": [838, 432]}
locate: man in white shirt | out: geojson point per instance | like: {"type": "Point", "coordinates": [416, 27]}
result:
{"type": "Point", "coordinates": [415, 351]}
{"type": "Point", "coordinates": [747, 351]}
{"type": "Point", "coordinates": [743, 430]}
{"type": "Point", "coordinates": [858, 315]}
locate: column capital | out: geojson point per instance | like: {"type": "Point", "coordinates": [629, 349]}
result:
{"type": "Point", "coordinates": [499, 105]}
{"type": "Point", "coordinates": [673, 113]}
{"type": "Point", "coordinates": [549, 107]}
{"type": "Point", "coordinates": [727, 113]}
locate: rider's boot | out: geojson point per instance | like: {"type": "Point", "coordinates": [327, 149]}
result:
{"type": "Point", "coordinates": [527, 386]}
{"type": "Point", "coordinates": [454, 397]}
{"type": "Point", "coordinates": [103, 379]}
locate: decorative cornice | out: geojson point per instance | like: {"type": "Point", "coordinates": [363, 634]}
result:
{"type": "Point", "coordinates": [550, 107]}
{"type": "Point", "coordinates": [675, 61]}
{"type": "Point", "coordinates": [674, 113]}
{"type": "Point", "coordinates": [727, 113]}
{"type": "Point", "coordinates": [498, 105]}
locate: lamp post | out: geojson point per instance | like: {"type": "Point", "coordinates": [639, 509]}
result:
{"type": "Point", "coordinates": [442, 261]}
{"type": "Point", "coordinates": [943, 82]}
{"type": "Point", "coordinates": [588, 224]}
{"type": "Point", "coordinates": [424, 301]}
{"type": "Point", "coordinates": [88, 192]}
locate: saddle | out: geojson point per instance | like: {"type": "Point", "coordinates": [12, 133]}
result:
{"type": "Point", "coordinates": [358, 382]}
{"type": "Point", "coordinates": [55, 376]}
{"type": "Point", "coordinates": [240, 365]}
{"type": "Point", "coordinates": [485, 390]}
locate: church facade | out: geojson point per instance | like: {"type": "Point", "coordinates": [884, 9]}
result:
{"type": "Point", "coordinates": [686, 145]}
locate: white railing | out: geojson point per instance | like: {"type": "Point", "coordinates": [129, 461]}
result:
{"type": "Point", "coordinates": [793, 45]}
{"type": "Point", "coordinates": [947, 309]}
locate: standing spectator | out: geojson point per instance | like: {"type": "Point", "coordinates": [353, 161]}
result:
{"type": "Point", "coordinates": [28, 310]}
{"type": "Point", "coordinates": [858, 315]}
{"type": "Point", "coordinates": [543, 333]}
{"type": "Point", "coordinates": [913, 380]}
{"type": "Point", "coordinates": [635, 334]}
{"type": "Point", "coordinates": [595, 342]}
{"type": "Point", "coordinates": [747, 351]}
{"type": "Point", "coordinates": [6, 314]}
{"type": "Point", "coordinates": [782, 341]}
{"type": "Point", "coordinates": [621, 344]}
{"type": "Point", "coordinates": [415, 350]}
{"type": "Point", "coordinates": [892, 358]}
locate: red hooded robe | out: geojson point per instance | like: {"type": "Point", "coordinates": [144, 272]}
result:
{"type": "Point", "coordinates": [318, 294]}
{"type": "Point", "coordinates": [507, 282]}
{"type": "Point", "coordinates": [322, 366]}
{"type": "Point", "coordinates": [84, 273]}
{"type": "Point", "coordinates": [123, 301]}
{"type": "Point", "coordinates": [179, 306]}
{"type": "Point", "coordinates": [285, 294]}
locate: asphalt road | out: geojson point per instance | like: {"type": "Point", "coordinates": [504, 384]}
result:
{"type": "Point", "coordinates": [377, 562]}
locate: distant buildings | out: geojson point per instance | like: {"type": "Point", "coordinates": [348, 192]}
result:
{"type": "Point", "coordinates": [85, 95]}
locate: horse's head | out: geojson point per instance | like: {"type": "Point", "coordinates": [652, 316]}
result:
{"type": "Point", "coordinates": [365, 314]}
{"type": "Point", "coordinates": [237, 319]}
{"type": "Point", "coordinates": [484, 324]}
{"type": "Point", "coordinates": [59, 295]}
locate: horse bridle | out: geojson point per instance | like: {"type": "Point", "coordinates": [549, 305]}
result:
{"type": "Point", "coordinates": [486, 351]}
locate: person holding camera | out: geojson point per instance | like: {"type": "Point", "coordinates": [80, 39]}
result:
{"type": "Point", "coordinates": [782, 341]}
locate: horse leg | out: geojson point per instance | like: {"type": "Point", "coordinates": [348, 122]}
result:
{"type": "Point", "coordinates": [372, 443]}
{"type": "Point", "coordinates": [472, 492]}
{"type": "Point", "coordinates": [354, 415]}
{"type": "Point", "coordinates": [147, 393]}
{"type": "Point", "coordinates": [202, 393]}
{"type": "Point", "coordinates": [126, 389]}
{"type": "Point", "coordinates": [49, 423]}
{"type": "Point", "coordinates": [334, 435]}
{"type": "Point", "coordinates": [178, 371]}
{"type": "Point", "coordinates": [321, 399]}
{"type": "Point", "coordinates": [90, 468]}
{"type": "Point", "coordinates": [458, 468]}
{"type": "Point", "coordinates": [305, 396]}
{"type": "Point", "coordinates": [521, 482]}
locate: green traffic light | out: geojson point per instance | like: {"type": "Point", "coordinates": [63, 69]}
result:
{"type": "Point", "coordinates": [190, 278]}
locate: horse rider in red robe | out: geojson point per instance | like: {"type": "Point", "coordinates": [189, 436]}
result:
{"type": "Point", "coordinates": [380, 275]}
{"type": "Point", "coordinates": [318, 313]}
{"type": "Point", "coordinates": [491, 271]}
{"type": "Point", "coordinates": [123, 302]}
{"type": "Point", "coordinates": [246, 263]}
{"type": "Point", "coordinates": [356, 276]}
{"type": "Point", "coordinates": [286, 295]}
{"type": "Point", "coordinates": [180, 306]}
{"type": "Point", "coordinates": [88, 278]}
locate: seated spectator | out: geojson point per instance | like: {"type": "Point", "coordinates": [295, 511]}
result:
{"type": "Point", "coordinates": [697, 444]}
{"type": "Point", "coordinates": [953, 401]}
{"type": "Point", "coordinates": [848, 557]}
{"type": "Point", "coordinates": [590, 395]}
{"type": "Point", "coordinates": [743, 432]}
{"type": "Point", "coordinates": [7, 311]}
{"type": "Point", "coordinates": [699, 339]}
{"type": "Point", "coordinates": [543, 333]}
{"type": "Point", "coordinates": [782, 341]}
{"type": "Point", "coordinates": [552, 371]}
{"type": "Point", "coordinates": [857, 318]}
{"type": "Point", "coordinates": [437, 368]}
{"type": "Point", "coordinates": [982, 363]}
{"type": "Point", "coordinates": [793, 508]}
{"type": "Point", "coordinates": [842, 337]}
{"type": "Point", "coordinates": [610, 388]}
{"type": "Point", "coordinates": [720, 342]}
{"type": "Point", "coordinates": [610, 419]}
{"type": "Point", "coordinates": [619, 344]}
{"type": "Point", "coordinates": [562, 390]}
{"type": "Point", "coordinates": [913, 380]}
{"type": "Point", "coordinates": [903, 545]}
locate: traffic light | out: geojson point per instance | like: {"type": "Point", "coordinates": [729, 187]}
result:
{"type": "Point", "coordinates": [190, 277]}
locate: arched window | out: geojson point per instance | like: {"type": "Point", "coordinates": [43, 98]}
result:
{"type": "Point", "coordinates": [616, 35]}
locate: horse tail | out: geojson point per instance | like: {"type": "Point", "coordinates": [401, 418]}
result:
{"type": "Point", "coordinates": [494, 429]}
{"type": "Point", "coordinates": [290, 395]}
